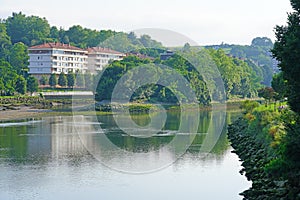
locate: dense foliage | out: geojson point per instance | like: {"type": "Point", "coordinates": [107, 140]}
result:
{"type": "Point", "coordinates": [286, 50]}
{"type": "Point", "coordinates": [62, 79]}
{"type": "Point", "coordinates": [257, 55]}
{"type": "Point", "coordinates": [12, 83]}
{"type": "Point", "coordinates": [270, 153]}
{"type": "Point", "coordinates": [267, 139]}
{"type": "Point", "coordinates": [32, 84]}
{"type": "Point", "coordinates": [240, 79]}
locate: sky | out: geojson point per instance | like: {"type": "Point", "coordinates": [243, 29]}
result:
{"type": "Point", "coordinates": [203, 21]}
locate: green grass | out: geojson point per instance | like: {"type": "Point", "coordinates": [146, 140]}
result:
{"type": "Point", "coordinates": [269, 107]}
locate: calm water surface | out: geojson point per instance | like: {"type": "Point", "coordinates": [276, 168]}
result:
{"type": "Point", "coordinates": [47, 159]}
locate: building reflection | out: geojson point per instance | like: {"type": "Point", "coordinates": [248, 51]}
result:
{"type": "Point", "coordinates": [58, 137]}
{"type": "Point", "coordinates": [64, 137]}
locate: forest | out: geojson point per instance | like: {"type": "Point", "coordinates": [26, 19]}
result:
{"type": "Point", "coordinates": [240, 80]}
{"type": "Point", "coordinates": [258, 54]}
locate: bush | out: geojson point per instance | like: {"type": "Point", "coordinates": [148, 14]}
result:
{"type": "Point", "coordinates": [249, 106]}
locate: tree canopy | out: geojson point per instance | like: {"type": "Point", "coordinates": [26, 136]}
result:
{"type": "Point", "coordinates": [258, 54]}
{"type": "Point", "coordinates": [286, 51]}
{"type": "Point", "coordinates": [30, 30]}
{"type": "Point", "coordinates": [62, 79]}
{"type": "Point", "coordinates": [8, 78]}
{"type": "Point", "coordinates": [240, 79]}
{"type": "Point", "coordinates": [32, 84]}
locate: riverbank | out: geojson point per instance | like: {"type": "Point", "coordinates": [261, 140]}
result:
{"type": "Point", "coordinates": [21, 113]}
{"type": "Point", "coordinates": [20, 108]}
{"type": "Point", "coordinates": [254, 157]}
{"type": "Point", "coordinates": [259, 139]}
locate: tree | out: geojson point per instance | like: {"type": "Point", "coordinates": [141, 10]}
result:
{"type": "Point", "coordinates": [44, 80]}
{"type": "Point", "coordinates": [62, 79]}
{"type": "Point", "coordinates": [119, 42]}
{"type": "Point", "coordinates": [18, 58]}
{"type": "Point", "coordinates": [279, 85]}
{"type": "Point", "coordinates": [5, 42]}
{"type": "Point", "coordinates": [259, 54]}
{"type": "Point", "coordinates": [54, 33]}
{"type": "Point", "coordinates": [71, 79]}
{"type": "Point", "coordinates": [30, 30]}
{"type": "Point", "coordinates": [239, 78]}
{"type": "Point", "coordinates": [286, 51]}
{"type": "Point", "coordinates": [149, 43]}
{"type": "Point", "coordinates": [32, 84]}
{"type": "Point", "coordinates": [262, 42]}
{"type": "Point", "coordinates": [80, 82]}
{"type": "Point", "coordinates": [133, 39]}
{"type": "Point", "coordinates": [21, 85]}
{"type": "Point", "coordinates": [8, 77]}
{"type": "Point", "coordinates": [78, 36]}
{"type": "Point", "coordinates": [186, 47]}
{"type": "Point", "coordinates": [52, 80]}
{"type": "Point", "coordinates": [267, 93]}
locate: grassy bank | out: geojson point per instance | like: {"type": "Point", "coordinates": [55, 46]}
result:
{"type": "Point", "coordinates": [260, 139]}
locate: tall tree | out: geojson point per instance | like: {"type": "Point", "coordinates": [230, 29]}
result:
{"type": "Point", "coordinates": [52, 80]}
{"type": "Point", "coordinates": [279, 85]}
{"type": "Point", "coordinates": [77, 36]}
{"type": "Point", "coordinates": [62, 79]}
{"type": "Point", "coordinates": [71, 79]}
{"type": "Point", "coordinates": [286, 50]}
{"type": "Point", "coordinates": [262, 42]}
{"type": "Point", "coordinates": [28, 30]}
{"type": "Point", "coordinates": [54, 34]}
{"type": "Point", "coordinates": [5, 42]}
{"type": "Point", "coordinates": [32, 84]}
{"type": "Point", "coordinates": [18, 58]}
{"type": "Point", "coordinates": [44, 80]}
{"type": "Point", "coordinates": [8, 78]}
{"type": "Point", "coordinates": [267, 93]}
{"type": "Point", "coordinates": [21, 85]}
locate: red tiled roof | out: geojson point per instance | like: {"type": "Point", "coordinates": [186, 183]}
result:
{"type": "Point", "coordinates": [102, 50]}
{"type": "Point", "coordinates": [55, 45]}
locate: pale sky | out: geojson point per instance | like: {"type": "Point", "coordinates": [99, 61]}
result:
{"type": "Point", "coordinates": [204, 21]}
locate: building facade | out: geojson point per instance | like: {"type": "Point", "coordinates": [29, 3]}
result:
{"type": "Point", "coordinates": [99, 57]}
{"type": "Point", "coordinates": [54, 58]}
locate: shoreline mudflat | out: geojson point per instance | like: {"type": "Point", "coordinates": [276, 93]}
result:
{"type": "Point", "coordinates": [22, 112]}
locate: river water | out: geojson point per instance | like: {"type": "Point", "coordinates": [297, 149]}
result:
{"type": "Point", "coordinates": [64, 157]}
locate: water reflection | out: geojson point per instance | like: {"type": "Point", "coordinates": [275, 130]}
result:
{"type": "Point", "coordinates": [57, 137]}
{"type": "Point", "coordinates": [46, 160]}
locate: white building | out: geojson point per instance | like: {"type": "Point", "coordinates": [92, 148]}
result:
{"type": "Point", "coordinates": [99, 57]}
{"type": "Point", "coordinates": [54, 58]}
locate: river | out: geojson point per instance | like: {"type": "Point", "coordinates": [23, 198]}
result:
{"type": "Point", "coordinates": [64, 157]}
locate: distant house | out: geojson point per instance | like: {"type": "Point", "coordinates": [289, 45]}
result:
{"type": "Point", "coordinates": [166, 55]}
{"type": "Point", "coordinates": [54, 58]}
{"type": "Point", "coordinates": [99, 57]}
{"type": "Point", "coordinates": [139, 55]}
